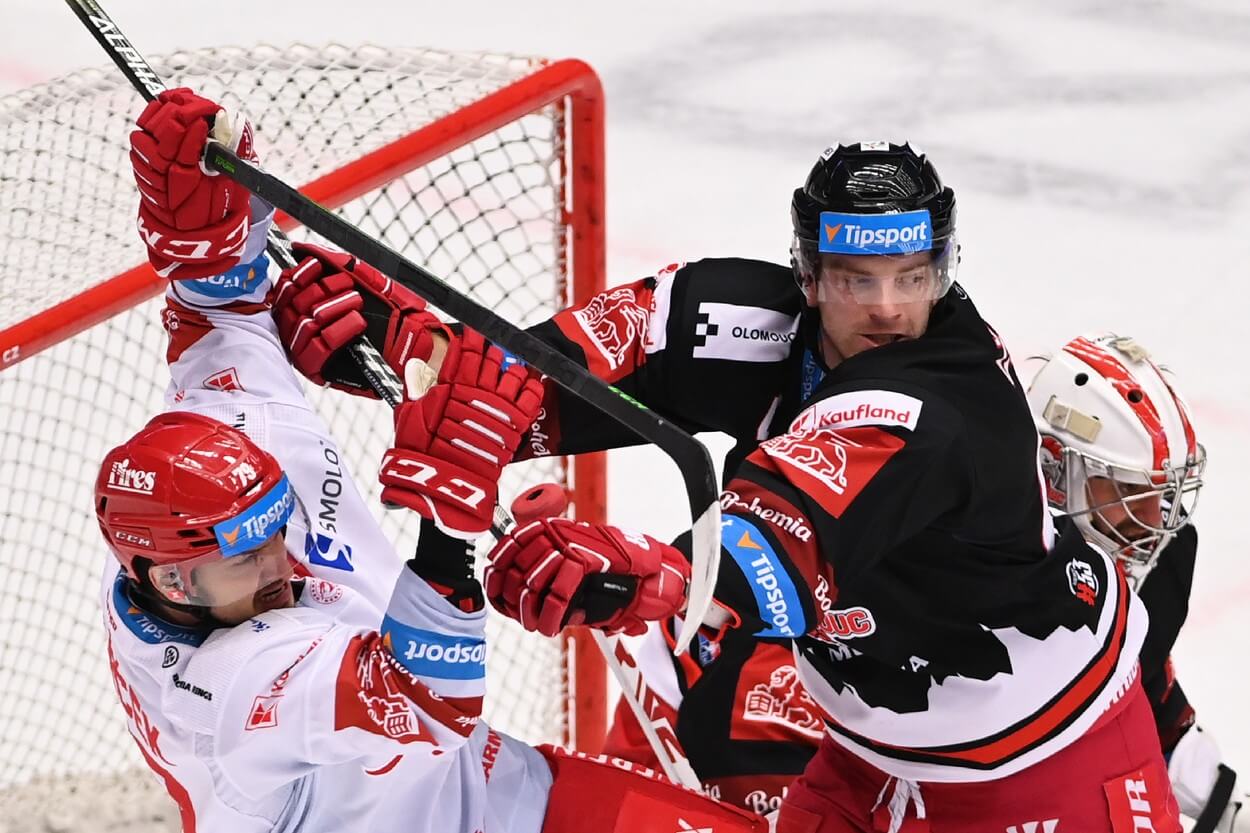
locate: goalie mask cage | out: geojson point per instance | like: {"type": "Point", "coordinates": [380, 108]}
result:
{"type": "Point", "coordinates": [487, 169]}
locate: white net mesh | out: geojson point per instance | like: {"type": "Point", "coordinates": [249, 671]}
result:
{"type": "Point", "coordinates": [487, 216]}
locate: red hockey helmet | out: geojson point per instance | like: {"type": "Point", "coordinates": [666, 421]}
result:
{"type": "Point", "coordinates": [187, 489]}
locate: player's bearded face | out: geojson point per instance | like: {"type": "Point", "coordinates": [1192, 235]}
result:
{"type": "Point", "coordinates": [1125, 512]}
{"type": "Point", "coordinates": [868, 301]}
{"type": "Point", "coordinates": [237, 588]}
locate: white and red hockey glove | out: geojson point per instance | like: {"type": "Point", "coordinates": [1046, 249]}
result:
{"type": "Point", "coordinates": [451, 444]}
{"type": "Point", "coordinates": [329, 299]}
{"type": "Point", "coordinates": [554, 572]}
{"type": "Point", "coordinates": [193, 221]}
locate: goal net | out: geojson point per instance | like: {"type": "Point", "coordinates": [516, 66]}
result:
{"type": "Point", "coordinates": [487, 169]}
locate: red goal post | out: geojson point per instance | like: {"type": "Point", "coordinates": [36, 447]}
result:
{"type": "Point", "coordinates": [486, 168]}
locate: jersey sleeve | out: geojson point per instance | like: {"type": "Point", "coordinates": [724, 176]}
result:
{"type": "Point", "coordinates": [701, 343]}
{"type": "Point", "coordinates": [277, 701]}
{"type": "Point", "coordinates": [223, 343]}
{"type": "Point", "coordinates": [817, 506]}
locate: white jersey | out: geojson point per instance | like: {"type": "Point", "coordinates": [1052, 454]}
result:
{"type": "Point", "coordinates": [306, 719]}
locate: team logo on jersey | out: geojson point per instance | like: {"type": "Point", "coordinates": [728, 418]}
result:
{"type": "Point", "coordinates": [783, 701]}
{"type": "Point", "coordinates": [871, 407]}
{"type": "Point", "coordinates": [322, 591]}
{"type": "Point", "coordinates": [264, 711]}
{"type": "Point", "coordinates": [124, 478]}
{"type": "Point", "coordinates": [318, 550]}
{"type": "Point", "coordinates": [377, 694]}
{"type": "Point", "coordinates": [832, 467]}
{"type": "Point", "coordinates": [1082, 581]}
{"type": "Point", "coordinates": [611, 324]}
{"type": "Point", "coordinates": [742, 333]}
{"type": "Point", "coordinates": [263, 714]}
{"type": "Point", "coordinates": [876, 234]}
{"type": "Point", "coordinates": [775, 596]}
{"type": "Point", "coordinates": [224, 380]}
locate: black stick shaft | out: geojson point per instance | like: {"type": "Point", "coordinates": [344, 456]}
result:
{"type": "Point", "coordinates": [145, 79]}
{"type": "Point", "coordinates": [692, 459]}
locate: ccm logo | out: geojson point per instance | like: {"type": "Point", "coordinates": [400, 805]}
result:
{"type": "Point", "coordinates": [131, 538]}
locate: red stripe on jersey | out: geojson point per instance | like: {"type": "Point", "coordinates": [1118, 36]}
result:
{"type": "Point", "coordinates": [1124, 383]}
{"type": "Point", "coordinates": [1037, 728]}
{"type": "Point", "coordinates": [832, 467]}
{"type": "Point", "coordinates": [186, 809]}
{"type": "Point", "coordinates": [611, 329]}
{"type": "Point", "coordinates": [387, 767]}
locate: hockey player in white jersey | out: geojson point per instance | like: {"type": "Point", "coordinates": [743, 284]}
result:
{"type": "Point", "coordinates": [280, 667]}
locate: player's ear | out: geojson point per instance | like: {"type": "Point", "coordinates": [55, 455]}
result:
{"type": "Point", "coordinates": [808, 287]}
{"type": "Point", "coordinates": [167, 582]}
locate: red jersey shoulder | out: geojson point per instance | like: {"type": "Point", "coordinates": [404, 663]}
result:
{"type": "Point", "coordinates": [831, 466]}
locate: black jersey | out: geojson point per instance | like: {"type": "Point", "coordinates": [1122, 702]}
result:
{"type": "Point", "coordinates": [888, 518]}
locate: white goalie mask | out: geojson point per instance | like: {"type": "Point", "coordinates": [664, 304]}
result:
{"type": "Point", "coordinates": [1119, 454]}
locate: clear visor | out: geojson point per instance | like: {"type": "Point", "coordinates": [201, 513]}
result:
{"type": "Point", "coordinates": [877, 279]}
{"type": "Point", "coordinates": [213, 581]}
{"type": "Point", "coordinates": [251, 559]}
{"type": "Point", "coordinates": [1135, 512]}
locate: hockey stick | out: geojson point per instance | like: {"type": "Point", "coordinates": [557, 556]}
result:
{"type": "Point", "coordinates": [144, 79]}
{"type": "Point", "coordinates": [1217, 803]}
{"type": "Point", "coordinates": [660, 734]}
{"type": "Point", "coordinates": [690, 456]}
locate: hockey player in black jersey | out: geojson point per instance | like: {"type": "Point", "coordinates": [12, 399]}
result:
{"type": "Point", "coordinates": [1121, 457]}
{"type": "Point", "coordinates": [972, 666]}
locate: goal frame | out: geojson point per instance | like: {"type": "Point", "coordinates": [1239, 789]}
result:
{"type": "Point", "coordinates": [574, 89]}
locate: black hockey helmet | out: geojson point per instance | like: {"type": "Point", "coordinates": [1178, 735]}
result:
{"type": "Point", "coordinates": [873, 198]}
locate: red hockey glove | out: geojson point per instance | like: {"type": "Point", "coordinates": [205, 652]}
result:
{"type": "Point", "coordinates": [451, 444]}
{"type": "Point", "coordinates": [329, 299]}
{"type": "Point", "coordinates": [548, 573]}
{"type": "Point", "coordinates": [194, 222]}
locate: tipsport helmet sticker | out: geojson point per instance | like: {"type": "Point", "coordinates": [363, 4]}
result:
{"type": "Point", "coordinates": [875, 234]}
{"type": "Point", "coordinates": [256, 524]}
